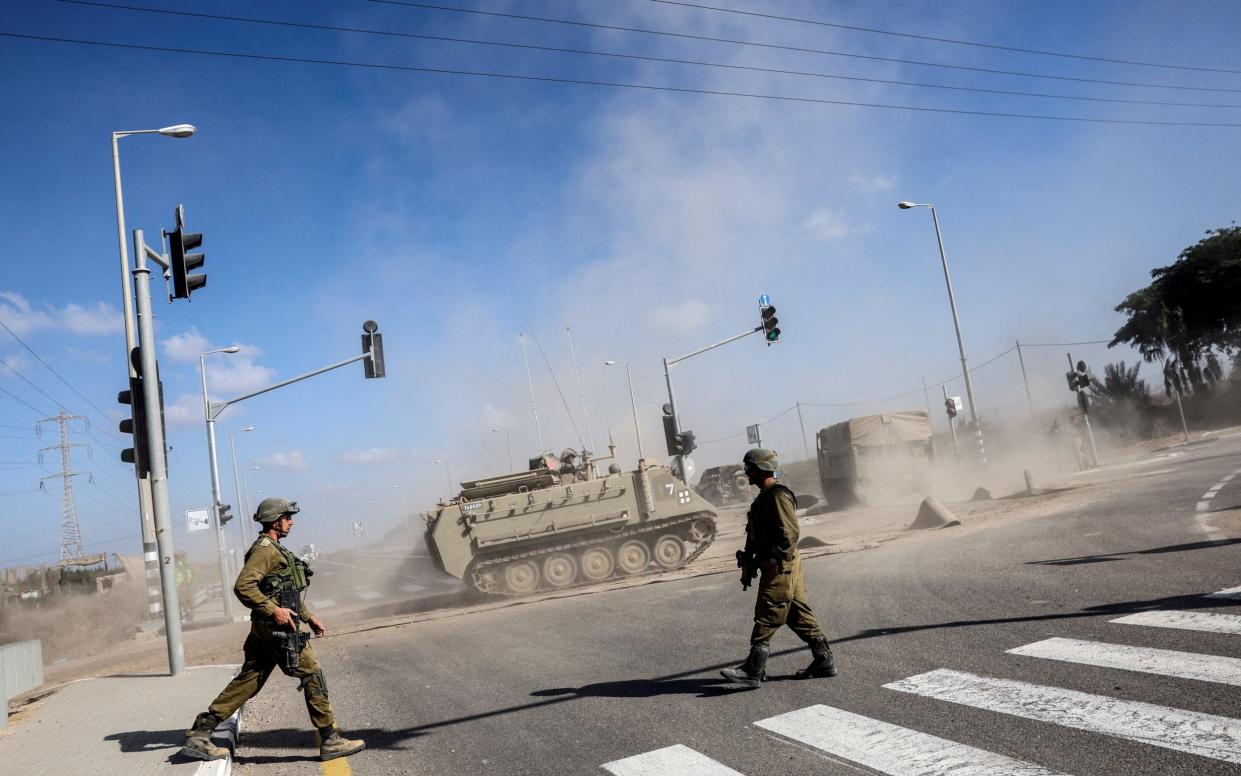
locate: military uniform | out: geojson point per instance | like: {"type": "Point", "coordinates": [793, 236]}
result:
{"type": "Point", "coordinates": [772, 533]}
{"type": "Point", "coordinates": [267, 560]}
{"type": "Point", "coordinates": [273, 578]}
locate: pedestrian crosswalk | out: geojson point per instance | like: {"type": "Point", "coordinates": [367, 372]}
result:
{"type": "Point", "coordinates": [900, 751]}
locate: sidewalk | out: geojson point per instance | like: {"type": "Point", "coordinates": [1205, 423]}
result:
{"type": "Point", "coordinates": [124, 724]}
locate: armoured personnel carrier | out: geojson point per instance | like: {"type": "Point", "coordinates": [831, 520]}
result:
{"type": "Point", "coordinates": [544, 529]}
{"type": "Point", "coordinates": [724, 485]}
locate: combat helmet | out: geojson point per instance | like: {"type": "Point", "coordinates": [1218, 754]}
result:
{"type": "Point", "coordinates": [271, 509]}
{"type": "Point", "coordinates": [762, 459]}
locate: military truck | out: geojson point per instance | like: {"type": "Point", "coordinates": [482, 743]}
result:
{"type": "Point", "coordinates": [723, 485]}
{"type": "Point", "coordinates": [543, 529]}
{"type": "Point", "coordinates": [871, 456]}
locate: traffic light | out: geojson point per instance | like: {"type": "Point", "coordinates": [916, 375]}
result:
{"type": "Point", "coordinates": [181, 262]}
{"type": "Point", "coordinates": [688, 444]}
{"type": "Point", "coordinates": [1079, 378]}
{"type": "Point", "coordinates": [222, 513]}
{"type": "Point", "coordinates": [951, 407]}
{"type": "Point", "coordinates": [670, 431]}
{"type": "Point", "coordinates": [373, 344]}
{"type": "Point", "coordinates": [770, 328]}
{"type": "Point", "coordinates": [134, 424]}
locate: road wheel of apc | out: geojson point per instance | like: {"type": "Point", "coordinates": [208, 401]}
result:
{"type": "Point", "coordinates": [597, 564]}
{"type": "Point", "coordinates": [560, 570]}
{"type": "Point", "coordinates": [521, 577]}
{"type": "Point", "coordinates": [633, 557]}
{"type": "Point", "coordinates": [669, 551]}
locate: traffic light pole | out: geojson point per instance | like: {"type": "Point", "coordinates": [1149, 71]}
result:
{"type": "Point", "coordinates": [215, 496]}
{"type": "Point", "coordinates": [154, 436]}
{"type": "Point", "coordinates": [672, 402]}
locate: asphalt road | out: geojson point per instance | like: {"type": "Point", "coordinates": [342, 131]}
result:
{"type": "Point", "coordinates": [921, 628]}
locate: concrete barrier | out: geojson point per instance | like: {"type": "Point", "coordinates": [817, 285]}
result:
{"type": "Point", "coordinates": [933, 514]}
{"type": "Point", "coordinates": [21, 669]}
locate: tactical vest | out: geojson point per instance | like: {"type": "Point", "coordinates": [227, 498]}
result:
{"type": "Point", "coordinates": [284, 584]}
{"type": "Point", "coordinates": [766, 495]}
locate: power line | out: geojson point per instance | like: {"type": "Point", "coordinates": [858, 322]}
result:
{"type": "Point", "coordinates": [69, 385]}
{"type": "Point", "coordinates": [20, 400]}
{"type": "Point", "coordinates": [936, 39]}
{"type": "Point", "coordinates": [641, 58]}
{"type": "Point", "coordinates": [618, 84]}
{"type": "Point", "coordinates": [799, 49]}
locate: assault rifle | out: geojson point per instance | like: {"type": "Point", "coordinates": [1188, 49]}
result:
{"type": "Point", "coordinates": [748, 563]}
{"type": "Point", "coordinates": [292, 642]}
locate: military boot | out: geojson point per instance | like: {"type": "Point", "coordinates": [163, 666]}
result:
{"type": "Point", "coordinates": [198, 739]}
{"type": "Point", "coordinates": [332, 744]}
{"type": "Point", "coordinates": [823, 663]}
{"type": "Point", "coordinates": [753, 671]}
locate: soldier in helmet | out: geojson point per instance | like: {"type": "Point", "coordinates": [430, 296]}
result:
{"type": "Point", "coordinates": [272, 585]}
{"type": "Point", "coordinates": [771, 542]}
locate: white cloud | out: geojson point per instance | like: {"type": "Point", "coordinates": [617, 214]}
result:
{"type": "Point", "coordinates": [827, 224]}
{"type": "Point", "coordinates": [688, 315]}
{"type": "Point", "coordinates": [99, 318]}
{"type": "Point", "coordinates": [23, 317]}
{"type": "Point", "coordinates": [186, 411]}
{"type": "Point", "coordinates": [186, 346]}
{"type": "Point", "coordinates": [872, 182]}
{"type": "Point", "coordinates": [370, 455]}
{"type": "Point", "coordinates": [290, 460]}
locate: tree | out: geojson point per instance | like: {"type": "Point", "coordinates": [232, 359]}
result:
{"type": "Point", "coordinates": [1119, 385]}
{"type": "Point", "coordinates": [1190, 313]}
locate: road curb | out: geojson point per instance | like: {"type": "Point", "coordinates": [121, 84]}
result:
{"type": "Point", "coordinates": [229, 729]}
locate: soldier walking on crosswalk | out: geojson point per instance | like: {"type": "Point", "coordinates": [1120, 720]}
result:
{"type": "Point", "coordinates": [272, 584]}
{"type": "Point", "coordinates": [771, 550]}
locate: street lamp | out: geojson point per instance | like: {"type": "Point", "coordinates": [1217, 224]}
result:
{"type": "Point", "coordinates": [232, 443]}
{"type": "Point", "coordinates": [508, 440]}
{"type": "Point", "coordinates": [956, 323]}
{"type": "Point", "coordinates": [172, 620]}
{"type": "Point", "coordinates": [447, 469]}
{"type": "Point", "coordinates": [215, 475]}
{"type": "Point", "coordinates": [633, 402]}
{"type": "Point", "coordinates": [245, 484]}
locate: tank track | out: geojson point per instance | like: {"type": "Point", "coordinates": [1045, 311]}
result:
{"type": "Point", "coordinates": [478, 568]}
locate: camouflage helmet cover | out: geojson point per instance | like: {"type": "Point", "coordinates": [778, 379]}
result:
{"type": "Point", "coordinates": [272, 509]}
{"type": "Point", "coordinates": [762, 459]}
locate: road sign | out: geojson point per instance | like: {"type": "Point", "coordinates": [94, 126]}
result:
{"type": "Point", "coordinates": [764, 300]}
{"type": "Point", "coordinates": [197, 519]}
{"type": "Point", "coordinates": [751, 435]}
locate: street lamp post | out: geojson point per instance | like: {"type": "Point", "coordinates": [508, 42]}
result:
{"type": "Point", "coordinates": [447, 469]}
{"type": "Point", "coordinates": [404, 503]}
{"type": "Point", "coordinates": [245, 484]}
{"type": "Point", "coordinates": [637, 431]}
{"type": "Point", "coordinates": [956, 323]}
{"type": "Point", "coordinates": [146, 516]}
{"type": "Point", "coordinates": [215, 476]}
{"type": "Point", "coordinates": [508, 441]}
{"type": "Point", "coordinates": [232, 443]}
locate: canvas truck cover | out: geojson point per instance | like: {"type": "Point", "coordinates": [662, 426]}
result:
{"type": "Point", "coordinates": [885, 430]}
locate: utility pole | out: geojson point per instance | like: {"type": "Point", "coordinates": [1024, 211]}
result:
{"type": "Point", "coordinates": [1021, 360]}
{"type": "Point", "coordinates": [802, 423]}
{"type": "Point", "coordinates": [70, 535]}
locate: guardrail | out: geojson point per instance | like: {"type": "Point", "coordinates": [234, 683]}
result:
{"type": "Point", "coordinates": [21, 669]}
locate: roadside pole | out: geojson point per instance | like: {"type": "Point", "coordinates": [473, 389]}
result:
{"type": "Point", "coordinates": [802, 423]}
{"type": "Point", "coordinates": [154, 433]}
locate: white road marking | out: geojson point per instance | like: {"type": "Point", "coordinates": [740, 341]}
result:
{"type": "Point", "coordinates": [411, 588]}
{"type": "Point", "coordinates": [1204, 505]}
{"type": "Point", "coordinates": [676, 760]}
{"type": "Point", "coordinates": [1232, 592]}
{"type": "Point", "coordinates": [370, 595]}
{"type": "Point", "coordinates": [1164, 662]}
{"type": "Point", "coordinates": [326, 603]}
{"type": "Point", "coordinates": [1206, 735]}
{"type": "Point", "coordinates": [892, 749]}
{"type": "Point", "coordinates": [1195, 621]}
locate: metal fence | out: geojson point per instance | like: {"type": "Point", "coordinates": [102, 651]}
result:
{"type": "Point", "coordinates": [21, 669]}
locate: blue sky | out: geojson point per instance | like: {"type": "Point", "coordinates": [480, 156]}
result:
{"type": "Point", "coordinates": [450, 208]}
